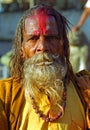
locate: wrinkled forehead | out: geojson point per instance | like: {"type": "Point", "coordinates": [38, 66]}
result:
{"type": "Point", "coordinates": [41, 24]}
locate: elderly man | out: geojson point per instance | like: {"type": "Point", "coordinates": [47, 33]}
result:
{"type": "Point", "coordinates": [43, 93]}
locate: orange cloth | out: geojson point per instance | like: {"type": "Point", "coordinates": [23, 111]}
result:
{"type": "Point", "coordinates": [83, 78]}
{"type": "Point", "coordinates": [17, 114]}
{"type": "Point", "coordinates": [11, 104]}
{"type": "Point", "coordinates": [73, 119]}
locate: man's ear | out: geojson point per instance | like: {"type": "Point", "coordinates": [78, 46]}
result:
{"type": "Point", "coordinates": [61, 48]}
{"type": "Point", "coordinates": [22, 53]}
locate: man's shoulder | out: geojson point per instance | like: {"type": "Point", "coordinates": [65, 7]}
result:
{"type": "Point", "coordinates": [9, 81]}
{"type": "Point", "coordinates": [83, 82]}
{"type": "Point", "coordinates": [10, 87]}
{"type": "Point", "coordinates": [6, 80]}
{"type": "Point", "coordinates": [4, 83]}
{"type": "Point", "coordinates": [9, 84]}
{"type": "Point", "coordinates": [83, 79]}
{"type": "Point", "coordinates": [83, 73]}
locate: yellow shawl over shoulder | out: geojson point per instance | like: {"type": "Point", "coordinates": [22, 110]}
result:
{"type": "Point", "coordinates": [17, 114]}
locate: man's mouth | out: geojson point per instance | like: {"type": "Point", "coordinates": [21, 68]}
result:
{"type": "Point", "coordinates": [44, 63]}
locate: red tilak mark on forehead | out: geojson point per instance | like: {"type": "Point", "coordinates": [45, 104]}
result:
{"type": "Point", "coordinates": [42, 18]}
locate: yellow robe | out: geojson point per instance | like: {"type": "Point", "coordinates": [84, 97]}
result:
{"type": "Point", "coordinates": [17, 114]}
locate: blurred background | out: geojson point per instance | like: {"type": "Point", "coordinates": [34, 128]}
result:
{"type": "Point", "coordinates": [12, 10]}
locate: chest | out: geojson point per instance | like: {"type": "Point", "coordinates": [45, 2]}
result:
{"type": "Point", "coordinates": [73, 118]}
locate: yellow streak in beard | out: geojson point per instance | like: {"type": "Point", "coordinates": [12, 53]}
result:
{"type": "Point", "coordinates": [44, 78]}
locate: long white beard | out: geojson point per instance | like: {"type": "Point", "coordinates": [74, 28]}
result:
{"type": "Point", "coordinates": [44, 74]}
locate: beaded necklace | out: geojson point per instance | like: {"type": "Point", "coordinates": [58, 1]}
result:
{"type": "Point", "coordinates": [46, 118]}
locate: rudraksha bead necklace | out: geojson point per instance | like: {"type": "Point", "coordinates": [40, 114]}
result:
{"type": "Point", "coordinates": [46, 118]}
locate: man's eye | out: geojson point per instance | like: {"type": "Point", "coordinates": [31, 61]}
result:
{"type": "Point", "coordinates": [34, 38]}
{"type": "Point", "coordinates": [52, 37]}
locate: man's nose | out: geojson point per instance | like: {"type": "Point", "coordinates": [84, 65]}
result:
{"type": "Point", "coordinates": [42, 45]}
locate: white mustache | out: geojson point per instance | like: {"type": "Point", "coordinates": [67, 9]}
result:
{"type": "Point", "coordinates": [43, 59]}
{"type": "Point", "coordinates": [47, 59]}
{"type": "Point", "coordinates": [44, 63]}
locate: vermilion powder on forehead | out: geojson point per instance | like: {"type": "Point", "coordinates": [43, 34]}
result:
{"type": "Point", "coordinates": [42, 20]}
